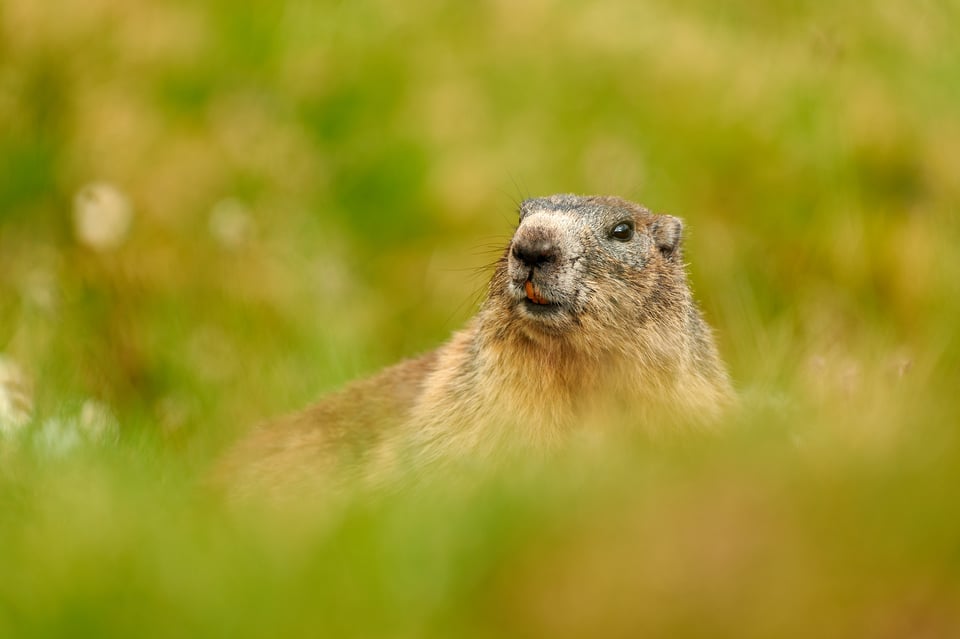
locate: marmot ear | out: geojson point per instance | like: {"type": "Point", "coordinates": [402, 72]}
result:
{"type": "Point", "coordinates": [667, 231]}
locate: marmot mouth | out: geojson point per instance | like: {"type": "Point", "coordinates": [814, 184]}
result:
{"type": "Point", "coordinates": [534, 308]}
{"type": "Point", "coordinates": [536, 303]}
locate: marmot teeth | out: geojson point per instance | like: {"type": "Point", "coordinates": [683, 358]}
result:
{"type": "Point", "coordinates": [533, 294]}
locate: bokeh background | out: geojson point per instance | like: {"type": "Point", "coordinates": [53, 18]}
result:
{"type": "Point", "coordinates": [212, 212]}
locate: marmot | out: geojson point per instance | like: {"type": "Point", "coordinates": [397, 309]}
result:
{"type": "Point", "coordinates": [588, 314]}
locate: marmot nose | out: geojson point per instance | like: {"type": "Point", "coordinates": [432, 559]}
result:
{"type": "Point", "coordinates": [535, 253]}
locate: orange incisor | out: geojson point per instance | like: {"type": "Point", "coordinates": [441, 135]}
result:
{"type": "Point", "coordinates": [533, 294]}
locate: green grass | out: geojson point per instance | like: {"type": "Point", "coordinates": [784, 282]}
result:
{"type": "Point", "coordinates": [317, 188]}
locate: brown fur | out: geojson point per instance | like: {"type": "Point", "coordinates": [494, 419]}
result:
{"type": "Point", "coordinates": [623, 342]}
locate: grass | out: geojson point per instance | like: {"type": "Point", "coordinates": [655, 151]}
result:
{"type": "Point", "coordinates": [316, 189]}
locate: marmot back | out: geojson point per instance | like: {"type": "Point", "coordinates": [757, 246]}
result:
{"type": "Point", "coordinates": [588, 318]}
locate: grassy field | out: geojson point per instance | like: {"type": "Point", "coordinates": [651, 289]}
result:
{"type": "Point", "coordinates": [212, 213]}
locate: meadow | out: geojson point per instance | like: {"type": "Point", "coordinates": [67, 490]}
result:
{"type": "Point", "coordinates": [211, 214]}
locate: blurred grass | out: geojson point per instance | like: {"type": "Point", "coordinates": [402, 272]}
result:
{"type": "Point", "coordinates": [316, 187]}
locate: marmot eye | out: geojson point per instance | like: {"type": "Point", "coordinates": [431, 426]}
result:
{"type": "Point", "coordinates": [622, 231]}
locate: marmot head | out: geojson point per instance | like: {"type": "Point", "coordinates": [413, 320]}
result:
{"type": "Point", "coordinates": [589, 266]}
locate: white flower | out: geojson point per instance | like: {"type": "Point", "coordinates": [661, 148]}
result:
{"type": "Point", "coordinates": [57, 437]}
{"type": "Point", "coordinates": [97, 422]}
{"type": "Point", "coordinates": [101, 216]}
{"type": "Point", "coordinates": [16, 403]}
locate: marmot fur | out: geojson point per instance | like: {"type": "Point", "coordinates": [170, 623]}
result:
{"type": "Point", "coordinates": [588, 318]}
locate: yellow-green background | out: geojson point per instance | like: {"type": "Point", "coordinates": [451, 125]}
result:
{"type": "Point", "coordinates": [378, 150]}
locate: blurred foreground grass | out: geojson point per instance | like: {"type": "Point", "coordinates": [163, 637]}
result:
{"type": "Point", "coordinates": [212, 214]}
